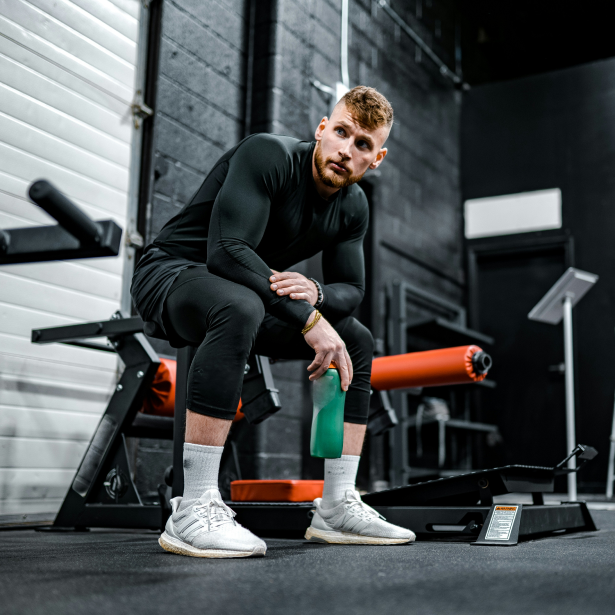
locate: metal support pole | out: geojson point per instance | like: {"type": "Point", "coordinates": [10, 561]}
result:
{"type": "Point", "coordinates": [611, 469]}
{"type": "Point", "coordinates": [344, 45]}
{"type": "Point", "coordinates": [570, 420]}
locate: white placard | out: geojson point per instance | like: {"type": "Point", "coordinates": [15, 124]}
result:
{"type": "Point", "coordinates": [513, 213]}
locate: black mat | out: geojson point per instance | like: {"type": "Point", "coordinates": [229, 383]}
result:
{"type": "Point", "coordinates": [102, 572]}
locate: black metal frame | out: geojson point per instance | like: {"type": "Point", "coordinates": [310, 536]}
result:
{"type": "Point", "coordinates": [440, 329]}
{"type": "Point", "coordinates": [76, 236]}
{"type": "Point", "coordinates": [447, 508]}
{"type": "Point", "coordinates": [102, 493]}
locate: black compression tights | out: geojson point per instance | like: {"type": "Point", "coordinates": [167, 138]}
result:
{"type": "Point", "coordinates": [226, 321]}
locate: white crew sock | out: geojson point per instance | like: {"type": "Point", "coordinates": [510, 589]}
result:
{"type": "Point", "coordinates": [340, 475]}
{"type": "Point", "coordinates": [201, 467]}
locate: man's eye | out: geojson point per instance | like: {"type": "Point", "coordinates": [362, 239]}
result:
{"type": "Point", "coordinates": [340, 131]}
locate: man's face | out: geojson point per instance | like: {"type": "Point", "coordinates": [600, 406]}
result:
{"type": "Point", "coordinates": [345, 150]}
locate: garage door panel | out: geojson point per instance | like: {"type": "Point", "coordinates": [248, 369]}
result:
{"type": "Point", "coordinates": [33, 141]}
{"type": "Point", "coordinates": [46, 27]}
{"type": "Point", "coordinates": [28, 484]}
{"type": "Point", "coordinates": [59, 124]}
{"type": "Point", "coordinates": [12, 507]}
{"type": "Point", "coordinates": [36, 300]}
{"type": "Point", "coordinates": [74, 65]}
{"type": "Point", "coordinates": [18, 452]}
{"type": "Point", "coordinates": [20, 394]}
{"type": "Point", "coordinates": [10, 220]}
{"type": "Point", "coordinates": [118, 19]}
{"type": "Point", "coordinates": [27, 422]}
{"type": "Point", "coordinates": [56, 65]}
{"type": "Point", "coordinates": [25, 166]}
{"type": "Point", "coordinates": [67, 82]}
{"type": "Point", "coordinates": [128, 6]}
{"type": "Point", "coordinates": [49, 92]}
{"type": "Point", "coordinates": [64, 365]}
{"type": "Point", "coordinates": [72, 275]}
{"type": "Point", "coordinates": [92, 28]}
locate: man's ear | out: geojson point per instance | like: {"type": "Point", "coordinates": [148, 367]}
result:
{"type": "Point", "coordinates": [379, 158]}
{"type": "Point", "coordinates": [321, 128]}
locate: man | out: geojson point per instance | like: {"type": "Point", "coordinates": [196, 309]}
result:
{"type": "Point", "coordinates": [217, 277]}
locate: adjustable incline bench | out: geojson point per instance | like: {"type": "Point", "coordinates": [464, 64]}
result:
{"type": "Point", "coordinates": [103, 494]}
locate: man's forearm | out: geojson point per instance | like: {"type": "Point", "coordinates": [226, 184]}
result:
{"type": "Point", "coordinates": [340, 300]}
{"type": "Point", "coordinates": [239, 264]}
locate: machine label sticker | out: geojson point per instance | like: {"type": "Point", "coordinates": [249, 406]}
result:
{"type": "Point", "coordinates": [501, 523]}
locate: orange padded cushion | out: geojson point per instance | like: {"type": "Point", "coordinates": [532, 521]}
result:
{"type": "Point", "coordinates": [276, 490]}
{"type": "Point", "coordinates": [425, 369]}
{"type": "Point", "coordinates": [160, 399]}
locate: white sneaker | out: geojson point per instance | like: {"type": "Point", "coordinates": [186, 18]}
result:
{"type": "Point", "coordinates": [207, 528]}
{"type": "Point", "coordinates": [354, 522]}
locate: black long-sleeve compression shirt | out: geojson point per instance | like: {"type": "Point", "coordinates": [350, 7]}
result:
{"type": "Point", "coordinates": [257, 210]}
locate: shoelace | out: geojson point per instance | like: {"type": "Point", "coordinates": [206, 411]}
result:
{"type": "Point", "coordinates": [217, 512]}
{"type": "Point", "coordinates": [358, 506]}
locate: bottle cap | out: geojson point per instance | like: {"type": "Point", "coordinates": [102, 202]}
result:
{"type": "Point", "coordinates": [332, 366]}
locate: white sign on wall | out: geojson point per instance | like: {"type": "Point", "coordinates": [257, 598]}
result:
{"type": "Point", "coordinates": [539, 210]}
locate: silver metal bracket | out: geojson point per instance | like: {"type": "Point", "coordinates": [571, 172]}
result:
{"type": "Point", "coordinates": [140, 110]}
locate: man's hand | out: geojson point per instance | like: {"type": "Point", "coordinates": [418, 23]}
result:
{"type": "Point", "coordinates": [329, 348]}
{"type": "Point", "coordinates": [294, 285]}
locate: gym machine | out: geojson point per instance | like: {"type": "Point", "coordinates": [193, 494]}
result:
{"type": "Point", "coordinates": [453, 508]}
{"type": "Point", "coordinates": [103, 494]}
{"type": "Point", "coordinates": [75, 236]}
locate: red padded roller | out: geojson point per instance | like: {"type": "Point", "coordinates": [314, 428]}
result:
{"type": "Point", "coordinates": [459, 365]}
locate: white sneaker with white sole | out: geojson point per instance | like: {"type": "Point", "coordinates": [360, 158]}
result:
{"type": "Point", "coordinates": [207, 528]}
{"type": "Point", "coordinates": [352, 522]}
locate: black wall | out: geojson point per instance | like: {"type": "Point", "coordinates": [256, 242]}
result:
{"type": "Point", "coordinates": [233, 67]}
{"type": "Point", "coordinates": [558, 130]}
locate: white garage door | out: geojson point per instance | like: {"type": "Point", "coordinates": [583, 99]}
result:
{"type": "Point", "coordinates": [67, 80]}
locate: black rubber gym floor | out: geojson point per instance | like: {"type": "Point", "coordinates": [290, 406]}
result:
{"type": "Point", "coordinates": [102, 572]}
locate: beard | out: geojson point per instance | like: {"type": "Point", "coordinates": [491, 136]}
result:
{"type": "Point", "coordinates": [328, 176]}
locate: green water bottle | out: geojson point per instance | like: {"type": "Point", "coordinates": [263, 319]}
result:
{"type": "Point", "coordinates": [327, 438]}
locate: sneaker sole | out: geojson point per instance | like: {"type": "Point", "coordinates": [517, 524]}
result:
{"type": "Point", "coordinates": [347, 538]}
{"type": "Point", "coordinates": [173, 545]}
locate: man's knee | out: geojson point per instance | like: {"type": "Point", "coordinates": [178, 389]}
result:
{"type": "Point", "coordinates": [244, 310]}
{"type": "Point", "coordinates": [357, 337]}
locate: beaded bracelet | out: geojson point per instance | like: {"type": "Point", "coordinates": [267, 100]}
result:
{"type": "Point", "coordinates": [321, 296]}
{"type": "Point", "coordinates": [312, 324]}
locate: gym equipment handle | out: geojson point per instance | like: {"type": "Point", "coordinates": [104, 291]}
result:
{"type": "Point", "coordinates": [69, 216]}
{"type": "Point", "coordinates": [481, 362]}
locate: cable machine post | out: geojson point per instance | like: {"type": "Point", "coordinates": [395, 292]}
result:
{"type": "Point", "coordinates": [570, 410]}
